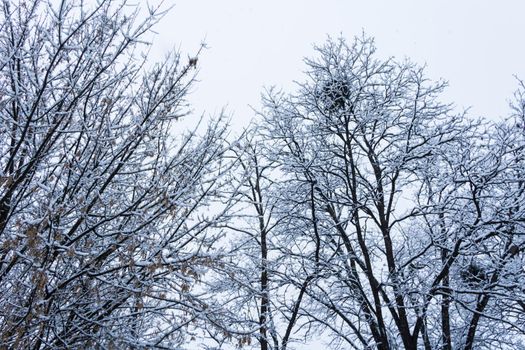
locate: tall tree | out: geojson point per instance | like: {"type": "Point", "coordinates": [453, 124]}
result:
{"type": "Point", "coordinates": [103, 210]}
{"type": "Point", "coordinates": [417, 211]}
{"type": "Point", "coordinates": [251, 284]}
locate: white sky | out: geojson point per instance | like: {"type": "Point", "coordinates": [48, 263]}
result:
{"type": "Point", "coordinates": [476, 45]}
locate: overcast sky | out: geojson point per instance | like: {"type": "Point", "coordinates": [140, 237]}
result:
{"type": "Point", "coordinates": [476, 45]}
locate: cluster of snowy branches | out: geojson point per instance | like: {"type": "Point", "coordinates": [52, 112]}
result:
{"type": "Point", "coordinates": [359, 208]}
{"type": "Point", "coordinates": [103, 212]}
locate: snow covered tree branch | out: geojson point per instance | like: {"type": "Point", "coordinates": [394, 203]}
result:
{"type": "Point", "coordinates": [103, 209]}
